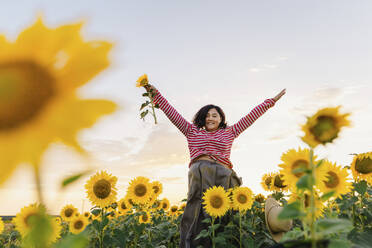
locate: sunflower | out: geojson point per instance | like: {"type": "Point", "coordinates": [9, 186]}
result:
{"type": "Point", "coordinates": [142, 81]}
{"type": "Point", "coordinates": [23, 218]}
{"type": "Point", "coordinates": [129, 201]}
{"type": "Point", "coordinates": [78, 224]}
{"type": "Point", "coordinates": [336, 181]}
{"type": "Point", "coordinates": [216, 201]}
{"type": "Point", "coordinates": [56, 229]}
{"type": "Point", "coordinates": [140, 190]}
{"type": "Point", "coordinates": [157, 188]}
{"type": "Point", "coordinates": [278, 183]}
{"type": "Point", "coordinates": [361, 167]}
{"type": "Point", "coordinates": [157, 205]}
{"type": "Point", "coordinates": [1, 225]}
{"type": "Point", "coordinates": [173, 211]}
{"type": "Point", "coordinates": [242, 198]}
{"type": "Point", "coordinates": [145, 217]}
{"type": "Point", "coordinates": [182, 207]}
{"type": "Point", "coordinates": [324, 126]}
{"type": "Point", "coordinates": [260, 198]}
{"type": "Point", "coordinates": [101, 189]}
{"type": "Point", "coordinates": [86, 215]}
{"type": "Point", "coordinates": [39, 76]}
{"type": "Point", "coordinates": [68, 212]}
{"type": "Point", "coordinates": [164, 204]}
{"type": "Point", "coordinates": [299, 159]}
{"type": "Point", "coordinates": [319, 205]}
{"type": "Point", "coordinates": [267, 181]}
{"type": "Point", "coordinates": [112, 215]}
{"type": "Point", "coordinates": [124, 206]}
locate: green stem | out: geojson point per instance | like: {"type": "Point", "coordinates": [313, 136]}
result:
{"type": "Point", "coordinates": [361, 208]}
{"type": "Point", "coordinates": [153, 108]}
{"type": "Point", "coordinates": [38, 185]}
{"type": "Point", "coordinates": [213, 244]}
{"type": "Point", "coordinates": [312, 202]}
{"type": "Point", "coordinates": [240, 230]}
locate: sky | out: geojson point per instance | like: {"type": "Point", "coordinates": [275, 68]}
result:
{"type": "Point", "coordinates": [234, 54]}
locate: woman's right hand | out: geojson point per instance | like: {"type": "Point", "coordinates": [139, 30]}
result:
{"type": "Point", "coordinates": [149, 87]}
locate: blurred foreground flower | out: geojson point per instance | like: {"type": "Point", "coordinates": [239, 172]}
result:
{"type": "Point", "coordinates": [324, 126]}
{"type": "Point", "coordinates": [39, 75]}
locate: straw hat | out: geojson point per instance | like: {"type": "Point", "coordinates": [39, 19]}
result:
{"type": "Point", "coordinates": [276, 227]}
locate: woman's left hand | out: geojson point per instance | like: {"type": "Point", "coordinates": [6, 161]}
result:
{"type": "Point", "coordinates": [277, 97]}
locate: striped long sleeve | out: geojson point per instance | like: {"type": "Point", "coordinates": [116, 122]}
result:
{"type": "Point", "coordinates": [172, 114]}
{"type": "Point", "coordinates": [248, 120]}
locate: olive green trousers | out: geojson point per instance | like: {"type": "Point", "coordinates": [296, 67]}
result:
{"type": "Point", "coordinates": [203, 174]}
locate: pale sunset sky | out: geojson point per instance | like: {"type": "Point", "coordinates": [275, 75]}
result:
{"type": "Point", "coordinates": [234, 54]}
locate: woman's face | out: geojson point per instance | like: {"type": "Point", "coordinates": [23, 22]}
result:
{"type": "Point", "coordinates": [212, 121]}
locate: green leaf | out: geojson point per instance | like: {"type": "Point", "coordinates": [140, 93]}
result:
{"type": "Point", "coordinates": [299, 170]}
{"type": "Point", "coordinates": [204, 233]}
{"type": "Point", "coordinates": [206, 220]}
{"type": "Point", "coordinates": [96, 211]}
{"type": "Point", "coordinates": [361, 187]}
{"type": "Point", "coordinates": [145, 94]}
{"type": "Point", "coordinates": [144, 105]}
{"type": "Point", "coordinates": [215, 226]}
{"type": "Point", "coordinates": [332, 226]}
{"type": "Point", "coordinates": [304, 182]}
{"type": "Point", "coordinates": [143, 114]}
{"type": "Point", "coordinates": [73, 241]}
{"type": "Point", "coordinates": [327, 196]}
{"type": "Point", "coordinates": [336, 243]}
{"type": "Point", "coordinates": [291, 211]}
{"type": "Point", "coordinates": [72, 179]}
{"type": "Point", "coordinates": [319, 163]}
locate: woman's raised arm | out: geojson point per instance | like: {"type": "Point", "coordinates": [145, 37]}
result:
{"type": "Point", "coordinates": [172, 114]}
{"type": "Point", "coordinates": [259, 110]}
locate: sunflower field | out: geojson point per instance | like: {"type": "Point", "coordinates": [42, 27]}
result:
{"type": "Point", "coordinates": [330, 204]}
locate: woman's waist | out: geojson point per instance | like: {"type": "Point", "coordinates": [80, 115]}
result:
{"type": "Point", "coordinates": [207, 157]}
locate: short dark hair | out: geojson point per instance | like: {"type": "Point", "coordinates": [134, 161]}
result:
{"type": "Point", "coordinates": [201, 115]}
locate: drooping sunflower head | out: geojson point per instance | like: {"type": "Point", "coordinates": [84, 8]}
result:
{"type": "Point", "coordinates": [295, 161]}
{"type": "Point", "coordinates": [216, 201]}
{"type": "Point", "coordinates": [242, 198]}
{"type": "Point", "coordinates": [124, 206]}
{"type": "Point", "coordinates": [336, 180]}
{"type": "Point", "coordinates": [157, 188]}
{"type": "Point", "coordinates": [164, 204]}
{"type": "Point", "coordinates": [78, 224]}
{"type": "Point", "coordinates": [361, 167]}
{"type": "Point", "coordinates": [140, 190]}
{"type": "Point", "coordinates": [24, 219]}
{"type": "Point", "coordinates": [39, 76]}
{"type": "Point", "coordinates": [173, 211]}
{"type": "Point", "coordinates": [267, 181]}
{"type": "Point", "coordinates": [145, 217]}
{"type": "Point", "coordinates": [260, 198]}
{"type": "Point", "coordinates": [101, 189]}
{"type": "Point", "coordinates": [324, 126]}
{"type": "Point", "coordinates": [278, 183]}
{"type": "Point", "coordinates": [142, 81]}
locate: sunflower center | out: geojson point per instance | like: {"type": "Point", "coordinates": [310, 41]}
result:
{"type": "Point", "coordinates": [216, 201]}
{"type": "Point", "coordinates": [102, 188]}
{"type": "Point", "coordinates": [242, 198]}
{"type": "Point", "coordinates": [78, 224]}
{"type": "Point", "coordinates": [156, 189]}
{"type": "Point", "coordinates": [25, 89]}
{"type": "Point", "coordinates": [325, 130]}
{"type": "Point", "coordinates": [131, 202]}
{"type": "Point", "coordinates": [145, 217]}
{"type": "Point", "coordinates": [86, 214]}
{"type": "Point", "coordinates": [174, 209]}
{"type": "Point", "coordinates": [156, 204]}
{"type": "Point", "coordinates": [123, 206]}
{"type": "Point", "coordinates": [69, 212]}
{"type": "Point", "coordinates": [278, 182]}
{"type": "Point", "coordinates": [363, 166]}
{"type": "Point", "coordinates": [333, 180]}
{"type": "Point", "coordinates": [301, 163]}
{"type": "Point", "coordinates": [164, 205]}
{"type": "Point", "coordinates": [268, 181]}
{"type": "Point", "coordinates": [140, 190]}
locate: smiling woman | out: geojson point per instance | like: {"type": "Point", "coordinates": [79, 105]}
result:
{"type": "Point", "coordinates": [210, 140]}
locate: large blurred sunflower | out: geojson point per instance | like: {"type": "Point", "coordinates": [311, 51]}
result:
{"type": "Point", "coordinates": [267, 181]}
{"type": "Point", "coordinates": [216, 201]}
{"type": "Point", "coordinates": [140, 190]}
{"type": "Point", "coordinates": [39, 76]}
{"type": "Point", "coordinates": [278, 183]}
{"type": "Point", "coordinates": [242, 198]}
{"type": "Point", "coordinates": [1, 225]}
{"type": "Point", "coordinates": [336, 181]}
{"type": "Point", "coordinates": [299, 160]}
{"type": "Point", "coordinates": [22, 220]}
{"type": "Point", "coordinates": [101, 189]}
{"type": "Point", "coordinates": [361, 167]}
{"type": "Point", "coordinates": [78, 224]}
{"type": "Point", "coordinates": [68, 212]}
{"type": "Point", "coordinates": [324, 126]}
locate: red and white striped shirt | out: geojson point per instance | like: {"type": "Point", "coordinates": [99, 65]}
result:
{"type": "Point", "coordinates": [216, 144]}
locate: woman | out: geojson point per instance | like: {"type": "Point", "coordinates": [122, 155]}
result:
{"type": "Point", "coordinates": [209, 140]}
